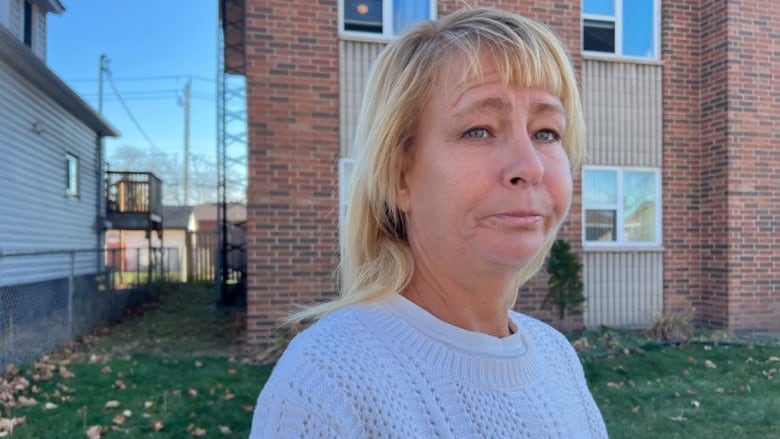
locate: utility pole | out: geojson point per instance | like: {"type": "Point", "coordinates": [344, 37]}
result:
{"type": "Point", "coordinates": [103, 62]}
{"type": "Point", "coordinates": [187, 92]}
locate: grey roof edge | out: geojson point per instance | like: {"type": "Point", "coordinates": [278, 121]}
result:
{"type": "Point", "coordinates": [54, 6]}
{"type": "Point", "coordinates": [21, 59]}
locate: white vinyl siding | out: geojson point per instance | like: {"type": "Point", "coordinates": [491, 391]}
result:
{"type": "Point", "coordinates": [35, 135]}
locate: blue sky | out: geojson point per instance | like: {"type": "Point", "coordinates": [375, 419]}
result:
{"type": "Point", "coordinates": [162, 39]}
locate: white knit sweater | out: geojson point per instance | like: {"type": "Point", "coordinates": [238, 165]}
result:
{"type": "Point", "coordinates": [392, 370]}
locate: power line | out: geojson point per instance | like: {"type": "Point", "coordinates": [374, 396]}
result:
{"type": "Point", "coordinates": [149, 78]}
{"type": "Point", "coordinates": [130, 114]}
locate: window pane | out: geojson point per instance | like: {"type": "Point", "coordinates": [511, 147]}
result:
{"type": "Point", "coordinates": [639, 206]}
{"type": "Point", "coordinates": [408, 12]}
{"type": "Point", "coordinates": [638, 28]}
{"type": "Point", "coordinates": [363, 15]}
{"type": "Point", "coordinates": [600, 7]}
{"type": "Point", "coordinates": [598, 36]}
{"type": "Point", "coordinates": [600, 225]}
{"type": "Point", "coordinates": [599, 187]}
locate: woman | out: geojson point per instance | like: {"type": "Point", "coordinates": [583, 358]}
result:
{"type": "Point", "coordinates": [471, 127]}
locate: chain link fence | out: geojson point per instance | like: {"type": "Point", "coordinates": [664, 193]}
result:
{"type": "Point", "coordinates": [49, 297]}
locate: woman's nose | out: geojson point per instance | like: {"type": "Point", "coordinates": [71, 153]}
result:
{"type": "Point", "coordinates": [524, 165]}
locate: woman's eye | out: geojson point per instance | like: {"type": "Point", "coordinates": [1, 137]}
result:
{"type": "Point", "coordinates": [477, 133]}
{"type": "Point", "coordinates": [547, 136]}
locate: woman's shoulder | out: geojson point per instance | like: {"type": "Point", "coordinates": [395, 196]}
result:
{"type": "Point", "coordinates": [541, 333]}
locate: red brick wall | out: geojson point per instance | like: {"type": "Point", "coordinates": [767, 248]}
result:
{"type": "Point", "coordinates": [713, 297]}
{"type": "Point", "coordinates": [293, 110]}
{"type": "Point", "coordinates": [753, 185]}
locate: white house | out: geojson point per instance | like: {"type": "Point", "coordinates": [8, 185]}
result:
{"type": "Point", "coordinates": [51, 175]}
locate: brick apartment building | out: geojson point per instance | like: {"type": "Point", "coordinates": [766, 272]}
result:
{"type": "Point", "coordinates": [678, 206]}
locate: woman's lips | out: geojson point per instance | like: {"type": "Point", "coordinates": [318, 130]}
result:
{"type": "Point", "coordinates": [518, 219]}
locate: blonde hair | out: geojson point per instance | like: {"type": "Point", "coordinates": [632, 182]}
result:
{"type": "Point", "coordinates": [375, 257]}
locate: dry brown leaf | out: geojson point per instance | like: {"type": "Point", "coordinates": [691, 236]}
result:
{"type": "Point", "coordinates": [614, 385]}
{"type": "Point", "coordinates": [772, 358]}
{"type": "Point", "coordinates": [192, 392]}
{"type": "Point", "coordinates": [49, 406]}
{"type": "Point", "coordinates": [94, 432]}
{"type": "Point", "coordinates": [148, 404]}
{"type": "Point", "coordinates": [106, 369]}
{"type": "Point", "coordinates": [65, 373]}
{"type": "Point", "coordinates": [111, 404]}
{"type": "Point", "coordinates": [7, 425]}
{"type": "Point", "coordinates": [635, 409]}
{"type": "Point", "coordinates": [119, 384]}
{"type": "Point", "coordinates": [127, 413]}
{"type": "Point", "coordinates": [224, 429]}
{"type": "Point", "coordinates": [119, 419]}
{"type": "Point", "coordinates": [232, 371]}
{"type": "Point", "coordinates": [228, 396]}
{"type": "Point", "coordinates": [156, 426]}
{"type": "Point", "coordinates": [710, 364]}
{"type": "Point", "coordinates": [146, 415]}
{"type": "Point", "coordinates": [198, 363]}
{"type": "Point", "coordinates": [198, 432]}
{"type": "Point", "coordinates": [247, 408]}
{"type": "Point", "coordinates": [695, 404]}
{"type": "Point", "coordinates": [26, 402]}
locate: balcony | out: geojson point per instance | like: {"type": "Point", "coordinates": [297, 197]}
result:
{"type": "Point", "coordinates": [134, 201]}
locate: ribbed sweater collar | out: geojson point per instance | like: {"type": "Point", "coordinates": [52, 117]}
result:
{"type": "Point", "coordinates": [467, 357]}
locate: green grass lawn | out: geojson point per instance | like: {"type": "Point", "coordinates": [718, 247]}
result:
{"type": "Point", "coordinates": [703, 390]}
{"type": "Point", "coordinates": [174, 370]}
{"type": "Point", "coordinates": [179, 368]}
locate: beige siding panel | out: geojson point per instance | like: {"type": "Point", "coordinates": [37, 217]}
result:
{"type": "Point", "coordinates": [623, 113]}
{"type": "Point", "coordinates": [623, 289]}
{"type": "Point", "coordinates": [355, 61]}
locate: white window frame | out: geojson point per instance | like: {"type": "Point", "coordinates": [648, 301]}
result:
{"type": "Point", "coordinates": [70, 190]}
{"type": "Point", "coordinates": [618, 20]}
{"type": "Point", "coordinates": [619, 208]}
{"type": "Point", "coordinates": [387, 23]}
{"type": "Point", "coordinates": [345, 188]}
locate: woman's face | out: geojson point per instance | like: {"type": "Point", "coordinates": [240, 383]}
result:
{"type": "Point", "coordinates": [486, 178]}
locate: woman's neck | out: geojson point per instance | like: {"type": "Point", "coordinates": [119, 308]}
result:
{"type": "Point", "coordinates": [479, 308]}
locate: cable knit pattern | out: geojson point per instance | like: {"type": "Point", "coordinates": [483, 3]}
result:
{"type": "Point", "coordinates": [392, 370]}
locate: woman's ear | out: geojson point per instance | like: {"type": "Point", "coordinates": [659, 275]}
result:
{"type": "Point", "coordinates": [402, 195]}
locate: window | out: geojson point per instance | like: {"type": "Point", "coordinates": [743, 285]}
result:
{"type": "Point", "coordinates": [383, 18]}
{"type": "Point", "coordinates": [621, 207]}
{"type": "Point", "coordinates": [625, 28]}
{"type": "Point", "coordinates": [71, 175]}
{"type": "Point", "coordinates": [27, 31]}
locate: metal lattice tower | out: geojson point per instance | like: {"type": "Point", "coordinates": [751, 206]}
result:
{"type": "Point", "coordinates": [231, 148]}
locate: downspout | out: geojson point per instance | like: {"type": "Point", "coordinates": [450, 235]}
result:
{"type": "Point", "coordinates": [100, 220]}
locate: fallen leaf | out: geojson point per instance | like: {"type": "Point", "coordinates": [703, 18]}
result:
{"type": "Point", "coordinates": [119, 384]}
{"type": "Point", "coordinates": [247, 408]}
{"type": "Point", "coordinates": [106, 369]}
{"type": "Point", "coordinates": [678, 418]}
{"type": "Point", "coordinates": [26, 402]}
{"type": "Point", "coordinates": [192, 392]}
{"type": "Point", "coordinates": [65, 373]}
{"type": "Point", "coordinates": [7, 425]}
{"type": "Point", "coordinates": [614, 385]}
{"type": "Point", "coordinates": [710, 364]}
{"type": "Point", "coordinates": [156, 426]}
{"type": "Point", "coordinates": [198, 432]}
{"type": "Point", "coordinates": [94, 432]}
{"type": "Point", "coordinates": [695, 404]}
{"type": "Point", "coordinates": [719, 390]}
{"type": "Point", "coordinates": [127, 413]}
{"type": "Point", "coordinates": [49, 406]}
{"type": "Point", "coordinates": [772, 358]}
{"type": "Point", "coordinates": [148, 404]}
{"type": "Point", "coordinates": [224, 429]}
{"type": "Point", "coordinates": [707, 348]}
{"type": "Point", "coordinates": [228, 396]}
{"type": "Point", "coordinates": [119, 419]}
{"type": "Point", "coordinates": [146, 415]}
{"type": "Point", "coordinates": [232, 371]}
{"type": "Point", "coordinates": [111, 404]}
{"type": "Point", "coordinates": [635, 409]}
{"type": "Point", "coordinates": [198, 363]}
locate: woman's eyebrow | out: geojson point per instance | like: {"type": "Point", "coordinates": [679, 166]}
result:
{"type": "Point", "coordinates": [493, 103]}
{"type": "Point", "coordinates": [547, 107]}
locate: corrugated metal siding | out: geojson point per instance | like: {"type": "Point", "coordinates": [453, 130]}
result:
{"type": "Point", "coordinates": [355, 61]}
{"type": "Point", "coordinates": [622, 288]}
{"type": "Point", "coordinates": [35, 213]}
{"type": "Point", "coordinates": [623, 113]}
